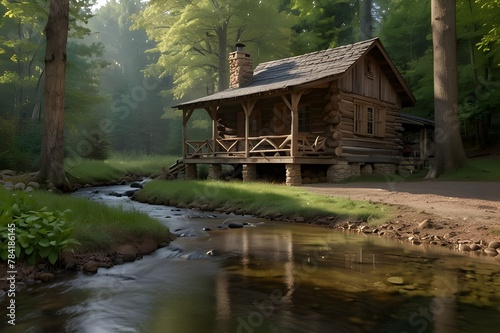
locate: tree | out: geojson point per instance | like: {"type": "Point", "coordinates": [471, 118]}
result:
{"type": "Point", "coordinates": [489, 16]}
{"type": "Point", "coordinates": [52, 155]}
{"type": "Point", "coordinates": [194, 38]}
{"type": "Point", "coordinates": [135, 107]}
{"type": "Point", "coordinates": [449, 153]}
{"type": "Point", "coordinates": [323, 24]}
{"type": "Point", "coordinates": [366, 20]}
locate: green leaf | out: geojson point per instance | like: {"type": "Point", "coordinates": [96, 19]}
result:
{"type": "Point", "coordinates": [53, 256]}
{"type": "Point", "coordinates": [32, 218]}
{"type": "Point", "coordinates": [44, 252]}
{"type": "Point", "coordinates": [29, 250]}
{"type": "Point", "coordinates": [44, 242]}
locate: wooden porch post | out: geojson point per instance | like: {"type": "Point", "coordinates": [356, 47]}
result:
{"type": "Point", "coordinates": [423, 144]}
{"type": "Point", "coordinates": [212, 111]}
{"type": "Point", "coordinates": [293, 105]}
{"type": "Point", "coordinates": [186, 115]}
{"type": "Point", "coordinates": [248, 108]}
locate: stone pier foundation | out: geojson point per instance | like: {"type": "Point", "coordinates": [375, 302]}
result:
{"type": "Point", "coordinates": [214, 172]}
{"type": "Point", "coordinates": [338, 172]}
{"type": "Point", "coordinates": [249, 172]}
{"type": "Point", "coordinates": [191, 172]}
{"type": "Point", "coordinates": [384, 169]}
{"type": "Point", "coordinates": [293, 175]}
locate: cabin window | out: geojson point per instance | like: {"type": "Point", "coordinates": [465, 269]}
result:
{"type": "Point", "coordinates": [369, 120]}
{"type": "Point", "coordinates": [304, 118]}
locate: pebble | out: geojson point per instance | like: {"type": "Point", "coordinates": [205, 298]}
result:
{"type": "Point", "coordinates": [494, 244]}
{"type": "Point", "coordinates": [475, 247]}
{"type": "Point", "coordinates": [464, 247]}
{"type": "Point", "coordinates": [235, 225]}
{"type": "Point", "coordinates": [424, 224]}
{"type": "Point", "coordinates": [90, 267]}
{"type": "Point", "coordinates": [33, 185]}
{"type": "Point", "coordinates": [490, 251]}
{"type": "Point", "coordinates": [395, 280]}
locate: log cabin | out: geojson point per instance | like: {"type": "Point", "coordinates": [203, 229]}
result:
{"type": "Point", "coordinates": [322, 116]}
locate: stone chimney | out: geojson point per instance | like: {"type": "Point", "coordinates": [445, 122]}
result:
{"type": "Point", "coordinates": [240, 67]}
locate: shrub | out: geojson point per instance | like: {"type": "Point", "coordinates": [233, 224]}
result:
{"type": "Point", "coordinates": [39, 234]}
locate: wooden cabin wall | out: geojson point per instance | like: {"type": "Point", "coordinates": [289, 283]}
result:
{"type": "Point", "coordinates": [375, 85]}
{"type": "Point", "coordinates": [228, 122]}
{"type": "Point", "coordinates": [366, 83]}
{"type": "Point", "coordinates": [315, 100]}
{"type": "Point", "coordinates": [386, 148]}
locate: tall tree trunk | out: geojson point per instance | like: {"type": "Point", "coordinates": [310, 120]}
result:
{"type": "Point", "coordinates": [365, 20]}
{"type": "Point", "coordinates": [52, 154]}
{"type": "Point", "coordinates": [223, 63]}
{"type": "Point", "coordinates": [449, 152]}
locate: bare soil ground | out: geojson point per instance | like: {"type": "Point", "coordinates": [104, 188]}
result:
{"type": "Point", "coordinates": [459, 211]}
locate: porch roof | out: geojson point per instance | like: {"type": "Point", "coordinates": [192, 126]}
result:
{"type": "Point", "coordinates": [415, 120]}
{"type": "Point", "coordinates": [289, 73]}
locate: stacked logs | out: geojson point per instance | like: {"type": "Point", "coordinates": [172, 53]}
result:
{"type": "Point", "coordinates": [333, 118]}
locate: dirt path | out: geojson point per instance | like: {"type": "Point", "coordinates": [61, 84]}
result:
{"type": "Point", "coordinates": [468, 210]}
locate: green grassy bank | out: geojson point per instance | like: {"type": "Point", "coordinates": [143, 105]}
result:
{"type": "Point", "coordinates": [117, 167]}
{"type": "Point", "coordinates": [261, 199]}
{"type": "Point", "coordinates": [90, 226]}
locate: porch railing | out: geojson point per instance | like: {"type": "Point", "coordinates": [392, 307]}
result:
{"type": "Point", "coordinates": [258, 146]}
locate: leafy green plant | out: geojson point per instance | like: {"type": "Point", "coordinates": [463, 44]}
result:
{"type": "Point", "coordinates": [36, 233]}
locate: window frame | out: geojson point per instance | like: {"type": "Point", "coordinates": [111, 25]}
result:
{"type": "Point", "coordinates": [369, 119]}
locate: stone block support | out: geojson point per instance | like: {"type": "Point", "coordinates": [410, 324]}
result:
{"type": "Point", "coordinates": [384, 169]}
{"type": "Point", "coordinates": [191, 172]}
{"type": "Point", "coordinates": [249, 172]}
{"type": "Point", "coordinates": [215, 172]}
{"type": "Point", "coordinates": [338, 172]}
{"type": "Point", "coordinates": [293, 175]}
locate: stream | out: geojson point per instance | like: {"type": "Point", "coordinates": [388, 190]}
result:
{"type": "Point", "coordinates": [266, 277]}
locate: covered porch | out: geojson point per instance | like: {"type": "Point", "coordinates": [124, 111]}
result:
{"type": "Point", "coordinates": [281, 129]}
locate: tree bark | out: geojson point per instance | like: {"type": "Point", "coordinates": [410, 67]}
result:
{"type": "Point", "coordinates": [449, 153]}
{"type": "Point", "coordinates": [366, 19]}
{"type": "Point", "coordinates": [223, 63]}
{"type": "Point", "coordinates": [52, 152]}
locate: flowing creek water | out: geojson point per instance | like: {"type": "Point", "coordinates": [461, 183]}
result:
{"type": "Point", "coordinates": [267, 277]}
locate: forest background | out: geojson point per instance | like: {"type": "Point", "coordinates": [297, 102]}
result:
{"type": "Point", "coordinates": [130, 61]}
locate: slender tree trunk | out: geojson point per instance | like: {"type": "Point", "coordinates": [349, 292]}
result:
{"type": "Point", "coordinates": [52, 154]}
{"type": "Point", "coordinates": [449, 152]}
{"type": "Point", "coordinates": [223, 63]}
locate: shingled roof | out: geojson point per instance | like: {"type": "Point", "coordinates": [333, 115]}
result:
{"type": "Point", "coordinates": [289, 73]}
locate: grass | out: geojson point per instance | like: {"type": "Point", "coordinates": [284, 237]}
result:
{"type": "Point", "coordinates": [96, 226]}
{"type": "Point", "coordinates": [262, 199]}
{"type": "Point", "coordinates": [117, 167]}
{"type": "Point", "coordinates": [485, 168]}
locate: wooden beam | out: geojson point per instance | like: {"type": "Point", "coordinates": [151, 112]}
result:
{"type": "Point", "coordinates": [293, 106]}
{"type": "Point", "coordinates": [212, 111]}
{"type": "Point", "coordinates": [248, 106]}
{"type": "Point", "coordinates": [186, 115]}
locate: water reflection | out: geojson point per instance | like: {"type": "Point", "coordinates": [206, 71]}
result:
{"type": "Point", "coordinates": [270, 277]}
